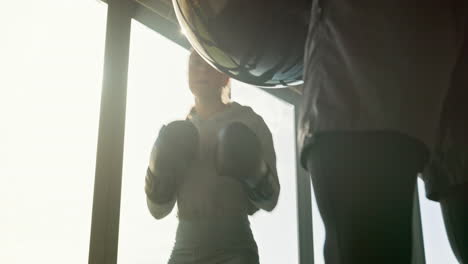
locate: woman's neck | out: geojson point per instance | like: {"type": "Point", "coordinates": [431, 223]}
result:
{"type": "Point", "coordinates": [208, 108]}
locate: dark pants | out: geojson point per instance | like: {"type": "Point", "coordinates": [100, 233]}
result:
{"type": "Point", "coordinates": [364, 185]}
{"type": "Point", "coordinates": [455, 211]}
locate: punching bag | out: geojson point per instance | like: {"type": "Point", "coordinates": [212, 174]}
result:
{"type": "Point", "coordinates": [259, 42]}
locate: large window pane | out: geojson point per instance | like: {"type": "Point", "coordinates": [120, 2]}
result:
{"type": "Point", "coordinates": [276, 232]}
{"type": "Point", "coordinates": [157, 94]}
{"type": "Point", "coordinates": [51, 69]}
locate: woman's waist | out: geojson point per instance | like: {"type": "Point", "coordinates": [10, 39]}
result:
{"type": "Point", "coordinates": [214, 232]}
{"type": "Point", "coordinates": [213, 206]}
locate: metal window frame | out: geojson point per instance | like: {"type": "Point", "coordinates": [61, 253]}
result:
{"type": "Point", "coordinates": [109, 160]}
{"type": "Point", "coordinates": [109, 156]}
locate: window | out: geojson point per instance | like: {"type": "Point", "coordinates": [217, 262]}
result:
{"type": "Point", "coordinates": [157, 94]}
{"type": "Point", "coordinates": [51, 70]}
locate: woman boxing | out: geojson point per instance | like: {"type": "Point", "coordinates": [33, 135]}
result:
{"type": "Point", "coordinates": [219, 165]}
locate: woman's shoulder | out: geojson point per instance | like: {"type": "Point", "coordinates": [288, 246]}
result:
{"type": "Point", "coordinates": [247, 115]}
{"type": "Point", "coordinates": [243, 109]}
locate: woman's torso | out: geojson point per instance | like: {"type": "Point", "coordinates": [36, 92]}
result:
{"type": "Point", "coordinates": [203, 192]}
{"type": "Point", "coordinates": [213, 209]}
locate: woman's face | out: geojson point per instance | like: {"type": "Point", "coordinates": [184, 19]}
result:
{"type": "Point", "coordinates": [204, 80]}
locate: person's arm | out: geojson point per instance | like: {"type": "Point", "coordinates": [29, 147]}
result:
{"type": "Point", "coordinates": [159, 204]}
{"type": "Point", "coordinates": [160, 211]}
{"type": "Point", "coordinates": [245, 152]}
{"type": "Point", "coordinates": [174, 150]}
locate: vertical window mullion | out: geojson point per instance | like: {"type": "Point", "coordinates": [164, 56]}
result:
{"type": "Point", "coordinates": [108, 174]}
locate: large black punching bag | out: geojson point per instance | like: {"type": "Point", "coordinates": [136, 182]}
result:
{"type": "Point", "coordinates": [260, 42]}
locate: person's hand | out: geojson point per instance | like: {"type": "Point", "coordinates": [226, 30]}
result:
{"type": "Point", "coordinates": [239, 154]}
{"type": "Point", "coordinates": [175, 147]}
{"type": "Point", "coordinates": [174, 150]}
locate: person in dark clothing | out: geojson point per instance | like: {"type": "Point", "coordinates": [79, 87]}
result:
{"type": "Point", "coordinates": [446, 178]}
{"type": "Point", "coordinates": [375, 81]}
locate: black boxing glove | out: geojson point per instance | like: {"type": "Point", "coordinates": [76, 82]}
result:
{"type": "Point", "coordinates": [174, 150]}
{"type": "Point", "coordinates": [239, 155]}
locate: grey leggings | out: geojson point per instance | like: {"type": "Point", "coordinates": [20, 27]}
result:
{"type": "Point", "coordinates": [214, 241]}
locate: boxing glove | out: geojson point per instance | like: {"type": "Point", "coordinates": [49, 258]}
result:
{"type": "Point", "coordinates": [174, 150]}
{"type": "Point", "coordinates": [239, 154]}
